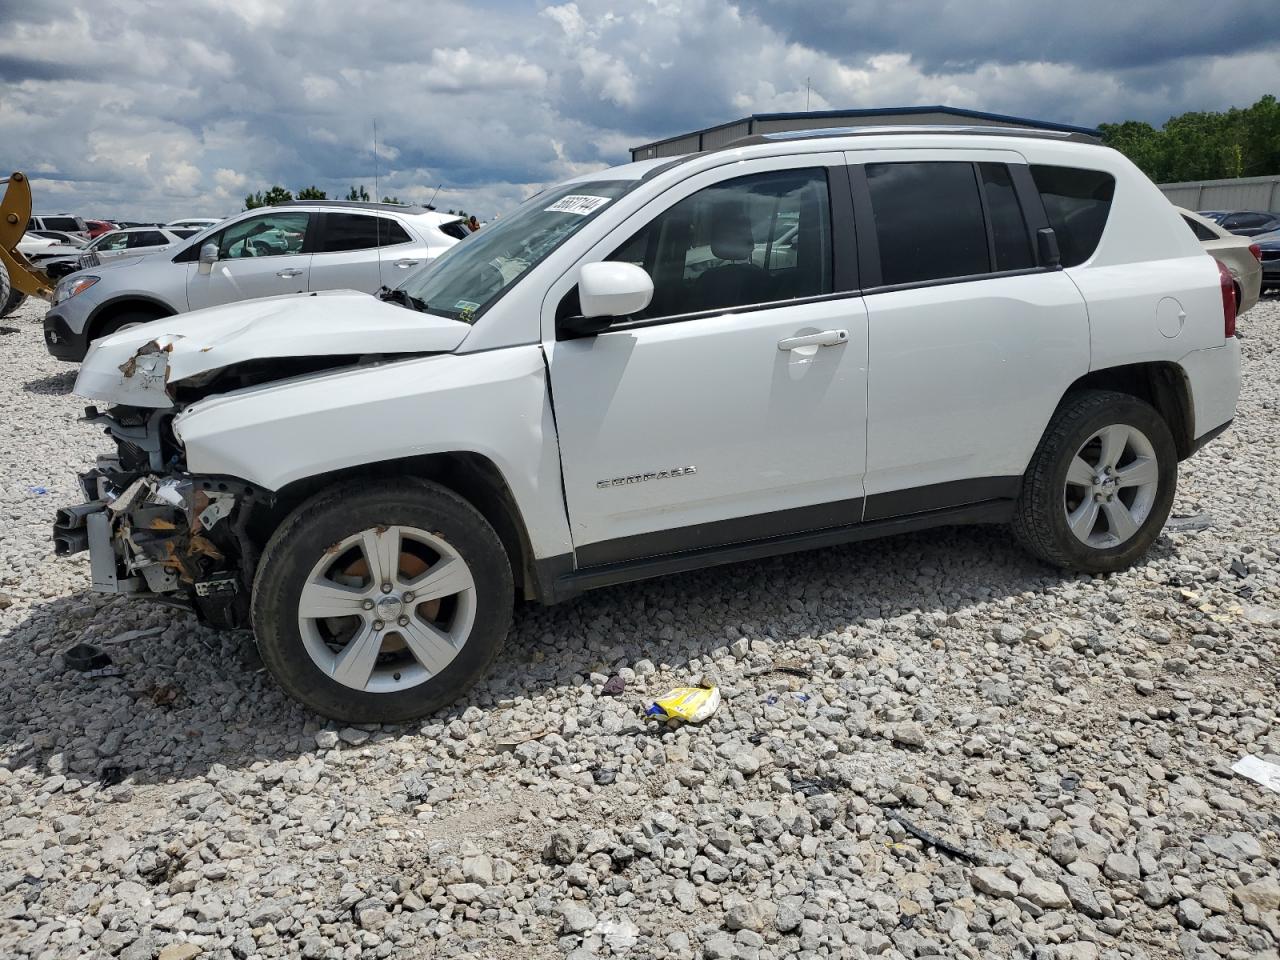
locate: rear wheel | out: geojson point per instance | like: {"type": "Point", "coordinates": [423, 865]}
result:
{"type": "Point", "coordinates": [1100, 485]}
{"type": "Point", "coordinates": [384, 604]}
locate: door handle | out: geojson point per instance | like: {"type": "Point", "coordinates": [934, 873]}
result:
{"type": "Point", "coordinates": [289, 272]}
{"type": "Point", "coordinates": [406, 264]}
{"type": "Point", "coordinates": [827, 338]}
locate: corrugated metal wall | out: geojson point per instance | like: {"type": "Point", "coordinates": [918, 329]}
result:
{"type": "Point", "coordinates": [1246, 193]}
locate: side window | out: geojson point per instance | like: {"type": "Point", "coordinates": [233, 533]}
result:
{"type": "Point", "coordinates": [270, 235]}
{"type": "Point", "coordinates": [1077, 203]}
{"type": "Point", "coordinates": [358, 231]}
{"type": "Point", "coordinates": [113, 241]}
{"type": "Point", "coordinates": [757, 239]}
{"type": "Point", "coordinates": [1202, 232]}
{"type": "Point", "coordinates": [147, 238]}
{"type": "Point", "coordinates": [1010, 242]}
{"type": "Point", "coordinates": [928, 218]}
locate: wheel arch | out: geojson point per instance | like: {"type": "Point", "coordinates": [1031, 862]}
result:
{"type": "Point", "coordinates": [472, 476]}
{"type": "Point", "coordinates": [105, 312]}
{"type": "Point", "coordinates": [1163, 384]}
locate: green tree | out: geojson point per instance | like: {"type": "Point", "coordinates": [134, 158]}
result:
{"type": "Point", "coordinates": [1203, 145]}
{"type": "Point", "coordinates": [276, 194]}
{"type": "Point", "coordinates": [312, 193]}
{"type": "Point", "coordinates": [357, 193]}
{"type": "Point", "coordinates": [393, 200]}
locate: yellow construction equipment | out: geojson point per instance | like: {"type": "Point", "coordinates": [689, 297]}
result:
{"type": "Point", "coordinates": [15, 214]}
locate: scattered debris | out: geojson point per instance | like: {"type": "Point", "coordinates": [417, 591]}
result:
{"type": "Point", "coordinates": [1190, 524]}
{"type": "Point", "coordinates": [1240, 568]}
{"type": "Point", "coordinates": [795, 695]}
{"type": "Point", "coordinates": [792, 667]}
{"type": "Point", "coordinates": [39, 491]}
{"type": "Point", "coordinates": [1070, 782]}
{"type": "Point", "coordinates": [163, 694]}
{"type": "Point", "coordinates": [932, 839]}
{"type": "Point", "coordinates": [508, 744]}
{"type": "Point", "coordinates": [111, 776]}
{"type": "Point", "coordinates": [130, 635]}
{"type": "Point", "coordinates": [614, 686]}
{"type": "Point", "coordinates": [693, 704]}
{"type": "Point", "coordinates": [604, 776]}
{"type": "Point", "coordinates": [1259, 771]}
{"type": "Point", "coordinates": [813, 786]}
{"type": "Point", "coordinates": [84, 657]}
{"type": "Point", "coordinates": [5, 331]}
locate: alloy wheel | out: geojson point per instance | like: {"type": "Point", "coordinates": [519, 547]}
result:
{"type": "Point", "coordinates": [387, 608]}
{"type": "Point", "coordinates": [1111, 486]}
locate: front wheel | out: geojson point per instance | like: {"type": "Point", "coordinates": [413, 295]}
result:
{"type": "Point", "coordinates": [1100, 485]}
{"type": "Point", "coordinates": [382, 605]}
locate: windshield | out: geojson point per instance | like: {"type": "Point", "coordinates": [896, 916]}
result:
{"type": "Point", "coordinates": [469, 277]}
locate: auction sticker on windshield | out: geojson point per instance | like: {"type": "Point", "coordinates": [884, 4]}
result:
{"type": "Point", "coordinates": [580, 204]}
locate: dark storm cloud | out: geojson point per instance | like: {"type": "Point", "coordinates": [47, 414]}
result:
{"type": "Point", "coordinates": [151, 109]}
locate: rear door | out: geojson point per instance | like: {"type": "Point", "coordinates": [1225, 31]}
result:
{"type": "Point", "coordinates": [362, 251]}
{"type": "Point", "coordinates": [972, 343]}
{"type": "Point", "coordinates": [261, 256]}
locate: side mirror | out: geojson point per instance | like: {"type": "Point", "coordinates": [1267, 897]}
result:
{"type": "Point", "coordinates": [613, 290]}
{"type": "Point", "coordinates": [1047, 251]}
{"type": "Point", "coordinates": [208, 257]}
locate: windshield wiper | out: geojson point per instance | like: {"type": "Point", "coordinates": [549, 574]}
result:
{"type": "Point", "coordinates": [402, 297]}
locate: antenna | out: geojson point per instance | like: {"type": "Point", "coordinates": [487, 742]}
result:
{"type": "Point", "coordinates": [377, 221]}
{"type": "Point", "coordinates": [806, 94]}
{"type": "Point", "coordinates": [433, 197]}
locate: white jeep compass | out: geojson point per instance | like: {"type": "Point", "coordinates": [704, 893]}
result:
{"type": "Point", "coordinates": [799, 340]}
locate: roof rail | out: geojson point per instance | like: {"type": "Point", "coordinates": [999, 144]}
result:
{"type": "Point", "coordinates": [357, 204]}
{"type": "Point", "coordinates": [927, 129]}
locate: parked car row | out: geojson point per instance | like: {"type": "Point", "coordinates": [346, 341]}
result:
{"type": "Point", "coordinates": [296, 247]}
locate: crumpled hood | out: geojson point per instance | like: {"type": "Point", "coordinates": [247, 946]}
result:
{"type": "Point", "coordinates": [136, 366]}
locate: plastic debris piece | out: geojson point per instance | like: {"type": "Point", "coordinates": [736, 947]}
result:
{"type": "Point", "coordinates": [1190, 524]}
{"type": "Point", "coordinates": [39, 491]}
{"type": "Point", "coordinates": [509, 743]}
{"type": "Point", "coordinates": [603, 776]}
{"type": "Point", "coordinates": [5, 331]}
{"type": "Point", "coordinates": [692, 704]}
{"type": "Point", "coordinates": [111, 776]}
{"type": "Point", "coordinates": [813, 786]}
{"type": "Point", "coordinates": [614, 686]}
{"type": "Point", "coordinates": [1240, 568]}
{"type": "Point", "coordinates": [932, 839]}
{"type": "Point", "coordinates": [1259, 771]}
{"type": "Point", "coordinates": [795, 695]}
{"type": "Point", "coordinates": [85, 657]}
{"type": "Point", "coordinates": [1070, 782]}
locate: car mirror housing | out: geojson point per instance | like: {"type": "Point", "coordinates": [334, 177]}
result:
{"type": "Point", "coordinates": [208, 257]}
{"type": "Point", "coordinates": [610, 290]}
{"type": "Point", "coordinates": [1047, 251]}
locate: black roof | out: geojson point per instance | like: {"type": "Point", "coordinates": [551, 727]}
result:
{"type": "Point", "coordinates": [932, 129]}
{"type": "Point", "coordinates": [998, 118]}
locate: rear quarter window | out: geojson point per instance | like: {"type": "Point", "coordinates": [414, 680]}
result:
{"type": "Point", "coordinates": [1077, 203]}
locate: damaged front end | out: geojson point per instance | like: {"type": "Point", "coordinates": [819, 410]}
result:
{"type": "Point", "coordinates": [154, 530]}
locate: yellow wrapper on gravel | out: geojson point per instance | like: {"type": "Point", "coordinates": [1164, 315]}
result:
{"type": "Point", "coordinates": [693, 704]}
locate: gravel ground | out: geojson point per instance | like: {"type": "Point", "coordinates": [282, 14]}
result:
{"type": "Point", "coordinates": [1068, 739]}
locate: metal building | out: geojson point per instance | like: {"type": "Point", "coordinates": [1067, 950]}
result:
{"type": "Point", "coordinates": [712, 138]}
{"type": "Point", "coordinates": [1243, 193]}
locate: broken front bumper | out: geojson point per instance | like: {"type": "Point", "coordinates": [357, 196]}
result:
{"type": "Point", "coordinates": [176, 537]}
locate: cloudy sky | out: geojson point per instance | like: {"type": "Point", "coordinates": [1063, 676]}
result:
{"type": "Point", "coordinates": [141, 109]}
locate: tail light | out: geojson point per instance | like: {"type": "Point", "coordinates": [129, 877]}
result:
{"type": "Point", "coordinates": [1256, 251]}
{"type": "Point", "coordinates": [1229, 306]}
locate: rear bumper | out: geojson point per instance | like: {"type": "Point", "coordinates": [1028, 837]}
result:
{"type": "Point", "coordinates": [61, 341]}
{"type": "Point", "coordinates": [1214, 378]}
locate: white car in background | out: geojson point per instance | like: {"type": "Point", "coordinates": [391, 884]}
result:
{"type": "Point", "coordinates": [1242, 255]}
{"type": "Point", "coordinates": [197, 223]}
{"type": "Point", "coordinates": [295, 247]}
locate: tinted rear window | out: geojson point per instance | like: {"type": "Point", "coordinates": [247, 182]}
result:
{"type": "Point", "coordinates": [456, 229]}
{"type": "Point", "coordinates": [929, 222]}
{"type": "Point", "coordinates": [1200, 230]}
{"type": "Point", "coordinates": [63, 223]}
{"type": "Point", "coordinates": [356, 231]}
{"type": "Point", "coordinates": [1077, 203]}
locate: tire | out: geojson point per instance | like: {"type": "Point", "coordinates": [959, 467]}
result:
{"type": "Point", "coordinates": [122, 321]}
{"type": "Point", "coordinates": [314, 658]}
{"type": "Point", "coordinates": [12, 302]}
{"type": "Point", "coordinates": [1056, 489]}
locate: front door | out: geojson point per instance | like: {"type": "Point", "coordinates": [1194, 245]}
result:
{"type": "Point", "coordinates": [734, 407]}
{"type": "Point", "coordinates": [262, 256]}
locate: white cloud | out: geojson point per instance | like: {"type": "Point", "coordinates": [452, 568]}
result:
{"type": "Point", "coordinates": [119, 108]}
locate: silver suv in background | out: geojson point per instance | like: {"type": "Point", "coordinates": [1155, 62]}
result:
{"type": "Point", "coordinates": [291, 248]}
